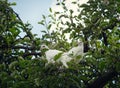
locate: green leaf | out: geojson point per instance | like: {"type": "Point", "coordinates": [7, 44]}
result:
{"type": "Point", "coordinates": [43, 16]}
{"type": "Point", "coordinates": [44, 31]}
{"type": "Point", "coordinates": [13, 3]}
{"type": "Point", "coordinates": [56, 57]}
{"type": "Point", "coordinates": [50, 9]}
{"type": "Point", "coordinates": [71, 11]}
{"type": "Point", "coordinates": [41, 22]}
{"type": "Point", "coordinates": [49, 26]}
{"type": "Point", "coordinates": [58, 4]}
{"type": "Point", "coordinates": [74, 2]}
{"type": "Point", "coordinates": [57, 12]}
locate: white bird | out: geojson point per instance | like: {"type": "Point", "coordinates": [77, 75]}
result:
{"type": "Point", "coordinates": [65, 57]}
{"type": "Point", "coordinates": [78, 50]}
{"type": "Point", "coordinates": [49, 53]}
{"type": "Point", "coordinates": [74, 53]}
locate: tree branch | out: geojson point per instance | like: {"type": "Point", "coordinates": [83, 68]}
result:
{"type": "Point", "coordinates": [17, 47]}
{"type": "Point", "coordinates": [104, 38]}
{"type": "Point", "coordinates": [111, 26]}
{"type": "Point", "coordinates": [101, 81]}
{"type": "Point", "coordinates": [33, 53]}
{"type": "Point", "coordinates": [23, 47]}
{"type": "Point", "coordinates": [86, 45]}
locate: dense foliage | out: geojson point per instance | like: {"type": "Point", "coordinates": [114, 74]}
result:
{"type": "Point", "coordinates": [97, 24]}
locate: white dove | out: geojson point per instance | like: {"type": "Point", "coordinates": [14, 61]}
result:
{"type": "Point", "coordinates": [65, 57]}
{"type": "Point", "coordinates": [49, 53]}
{"type": "Point", "coordinates": [78, 50]}
{"type": "Point", "coordinates": [74, 53]}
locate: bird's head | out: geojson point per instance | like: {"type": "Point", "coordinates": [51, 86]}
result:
{"type": "Point", "coordinates": [80, 43]}
{"type": "Point", "coordinates": [44, 47]}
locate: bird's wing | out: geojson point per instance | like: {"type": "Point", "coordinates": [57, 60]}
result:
{"type": "Point", "coordinates": [51, 53]}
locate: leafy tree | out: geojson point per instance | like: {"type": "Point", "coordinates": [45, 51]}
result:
{"type": "Point", "coordinates": [100, 32]}
{"type": "Point", "coordinates": [13, 47]}
{"type": "Point", "coordinates": [97, 24]}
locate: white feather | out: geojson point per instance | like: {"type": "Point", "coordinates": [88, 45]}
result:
{"type": "Point", "coordinates": [43, 46]}
{"type": "Point", "coordinates": [66, 56]}
{"type": "Point", "coordinates": [72, 54]}
{"type": "Point", "coordinates": [77, 50]}
{"type": "Point", "coordinates": [50, 54]}
{"type": "Point", "coordinates": [64, 59]}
